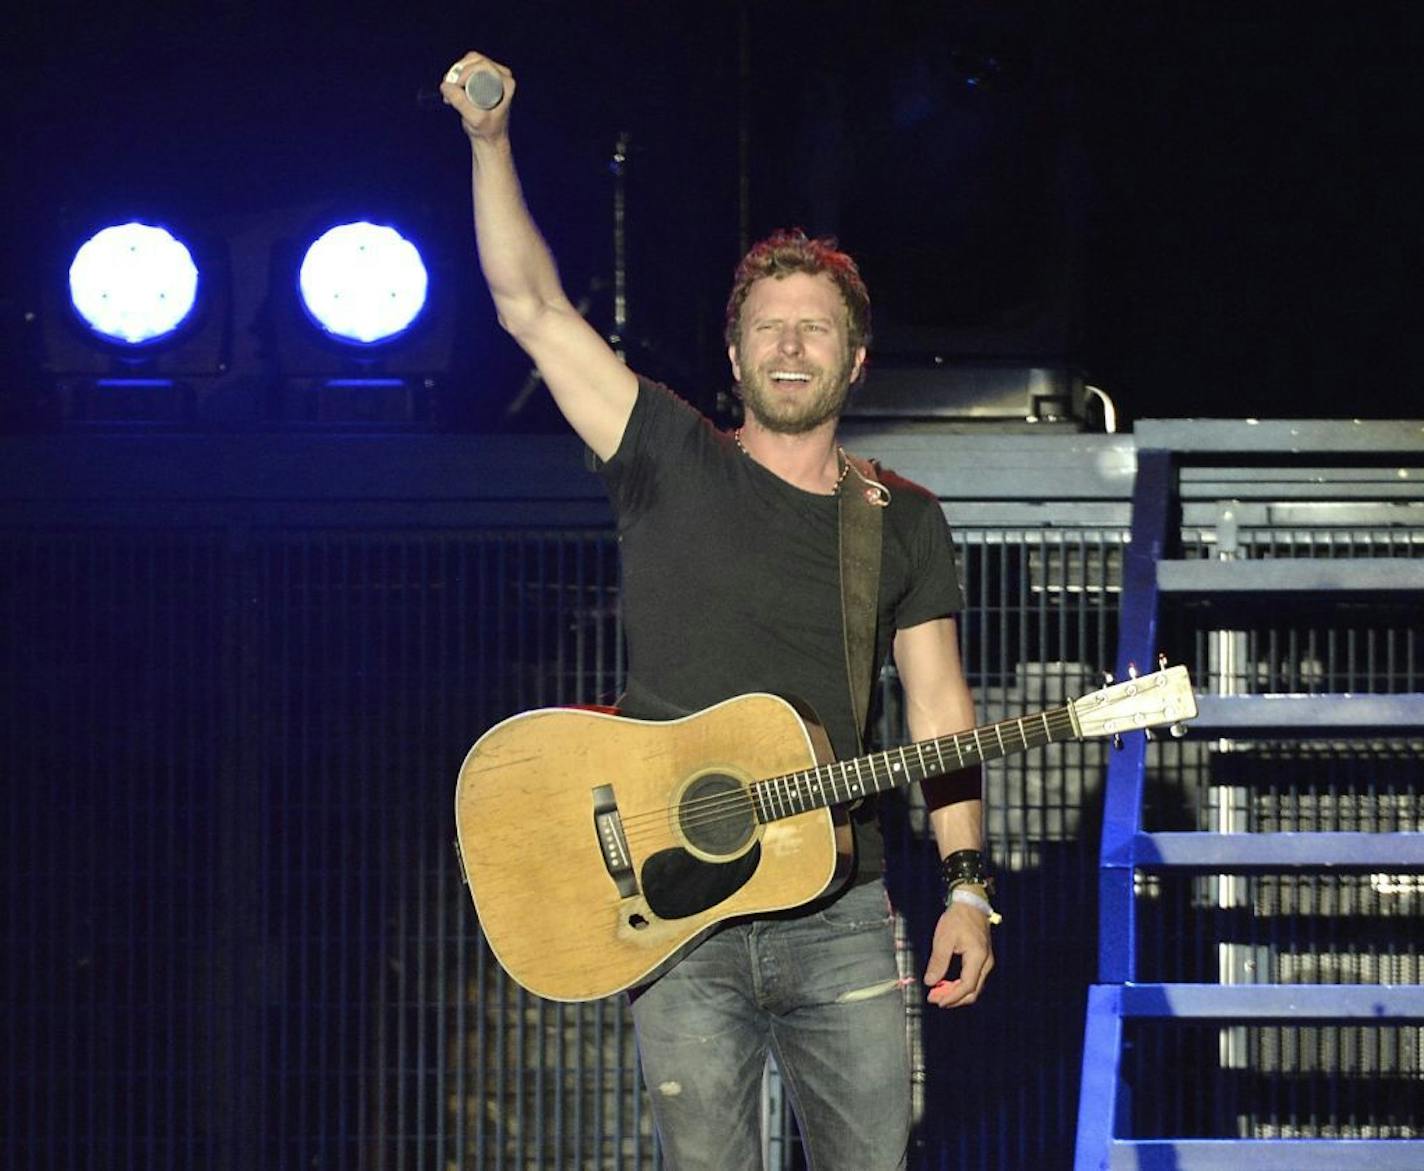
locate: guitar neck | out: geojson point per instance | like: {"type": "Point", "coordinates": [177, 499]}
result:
{"type": "Point", "coordinates": [843, 781]}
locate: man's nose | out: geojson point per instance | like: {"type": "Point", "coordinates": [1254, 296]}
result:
{"type": "Point", "coordinates": [790, 340]}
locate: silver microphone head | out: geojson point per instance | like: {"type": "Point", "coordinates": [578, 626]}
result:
{"type": "Point", "coordinates": [485, 89]}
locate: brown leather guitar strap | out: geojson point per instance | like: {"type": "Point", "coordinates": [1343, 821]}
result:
{"type": "Point", "coordinates": [861, 498]}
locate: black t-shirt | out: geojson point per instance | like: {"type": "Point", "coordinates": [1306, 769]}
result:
{"type": "Point", "coordinates": [731, 578]}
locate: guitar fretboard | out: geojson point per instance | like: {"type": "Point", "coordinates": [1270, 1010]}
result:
{"type": "Point", "coordinates": [844, 781]}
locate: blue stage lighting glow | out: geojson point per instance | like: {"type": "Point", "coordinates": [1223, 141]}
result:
{"type": "Point", "coordinates": [133, 283]}
{"type": "Point", "coordinates": [363, 282]}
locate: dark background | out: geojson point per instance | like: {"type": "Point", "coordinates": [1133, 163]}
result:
{"type": "Point", "coordinates": [243, 669]}
{"type": "Point", "coordinates": [1210, 208]}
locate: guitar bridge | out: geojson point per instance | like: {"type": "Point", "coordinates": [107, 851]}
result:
{"type": "Point", "coordinates": [612, 843]}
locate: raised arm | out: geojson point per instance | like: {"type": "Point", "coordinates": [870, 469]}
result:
{"type": "Point", "coordinates": [937, 703]}
{"type": "Point", "coordinates": [591, 385]}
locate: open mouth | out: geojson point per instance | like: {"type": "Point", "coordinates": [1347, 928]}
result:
{"type": "Point", "coordinates": [789, 376]}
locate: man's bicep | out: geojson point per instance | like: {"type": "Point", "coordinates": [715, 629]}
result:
{"type": "Point", "coordinates": [937, 696]}
{"type": "Point", "coordinates": [591, 386]}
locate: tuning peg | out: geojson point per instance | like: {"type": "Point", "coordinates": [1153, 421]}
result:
{"type": "Point", "coordinates": [1107, 676]}
{"type": "Point", "coordinates": [1178, 731]}
{"type": "Point", "coordinates": [1117, 741]}
{"type": "Point", "coordinates": [1149, 733]}
{"type": "Point", "coordinates": [1132, 670]}
{"type": "Point", "coordinates": [1161, 660]}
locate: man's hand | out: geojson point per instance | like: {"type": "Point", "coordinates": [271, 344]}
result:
{"type": "Point", "coordinates": [478, 124]}
{"type": "Point", "coordinates": [962, 931]}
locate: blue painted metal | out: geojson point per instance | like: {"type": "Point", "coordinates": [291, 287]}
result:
{"type": "Point", "coordinates": [1117, 932]}
{"type": "Point", "coordinates": [1236, 853]}
{"type": "Point", "coordinates": [1152, 535]}
{"type": "Point", "coordinates": [1103, 1096]}
{"type": "Point", "coordinates": [1098, 1097]}
{"type": "Point", "coordinates": [1286, 1154]}
{"type": "Point", "coordinates": [1266, 577]}
{"type": "Point", "coordinates": [1342, 715]}
{"type": "Point", "coordinates": [1372, 437]}
{"type": "Point", "coordinates": [1374, 1002]}
{"type": "Point", "coordinates": [1104, 1104]}
{"type": "Point", "coordinates": [1152, 531]}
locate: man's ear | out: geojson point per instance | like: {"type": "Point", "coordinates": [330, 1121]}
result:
{"type": "Point", "coordinates": [736, 365]}
{"type": "Point", "coordinates": [857, 369]}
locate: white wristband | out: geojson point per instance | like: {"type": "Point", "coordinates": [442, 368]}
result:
{"type": "Point", "coordinates": [978, 902]}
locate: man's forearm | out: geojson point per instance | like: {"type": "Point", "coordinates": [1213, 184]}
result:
{"type": "Point", "coordinates": [592, 387]}
{"type": "Point", "coordinates": [954, 800]}
{"type": "Point", "coordinates": [956, 809]}
{"type": "Point", "coordinates": [518, 266]}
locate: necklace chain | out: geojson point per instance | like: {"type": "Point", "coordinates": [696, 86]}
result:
{"type": "Point", "coordinates": [840, 459]}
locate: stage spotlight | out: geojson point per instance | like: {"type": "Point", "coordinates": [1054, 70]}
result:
{"type": "Point", "coordinates": [134, 319]}
{"type": "Point", "coordinates": [361, 318]}
{"type": "Point", "coordinates": [363, 283]}
{"type": "Point", "coordinates": [133, 284]}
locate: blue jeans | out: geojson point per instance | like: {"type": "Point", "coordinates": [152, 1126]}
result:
{"type": "Point", "coordinates": [821, 993]}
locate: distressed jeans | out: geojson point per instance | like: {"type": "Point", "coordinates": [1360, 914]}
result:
{"type": "Point", "coordinates": [821, 993]}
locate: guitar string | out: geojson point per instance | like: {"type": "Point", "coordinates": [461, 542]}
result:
{"type": "Point", "coordinates": [722, 806]}
{"type": "Point", "coordinates": [718, 805]}
{"type": "Point", "coordinates": [735, 803]}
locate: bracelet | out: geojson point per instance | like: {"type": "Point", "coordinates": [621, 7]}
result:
{"type": "Point", "coordinates": [978, 902]}
{"type": "Point", "coordinates": [965, 867]}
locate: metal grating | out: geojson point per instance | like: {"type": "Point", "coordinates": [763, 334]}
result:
{"type": "Point", "coordinates": [128, 1022]}
{"type": "Point", "coordinates": [244, 938]}
{"type": "Point", "coordinates": [236, 885]}
{"type": "Point", "coordinates": [1039, 625]}
{"type": "Point", "coordinates": [401, 1042]}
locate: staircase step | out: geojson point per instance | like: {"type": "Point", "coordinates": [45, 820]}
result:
{"type": "Point", "coordinates": [1345, 715]}
{"type": "Point", "coordinates": [1374, 1002]}
{"type": "Point", "coordinates": [1257, 441]}
{"type": "Point", "coordinates": [1251, 589]}
{"type": "Point", "coordinates": [1296, 575]}
{"type": "Point", "coordinates": [1219, 853]}
{"type": "Point", "coordinates": [1101, 1102]}
{"type": "Point", "coordinates": [1285, 1154]}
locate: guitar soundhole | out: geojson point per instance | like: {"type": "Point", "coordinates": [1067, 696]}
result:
{"type": "Point", "coordinates": [716, 815]}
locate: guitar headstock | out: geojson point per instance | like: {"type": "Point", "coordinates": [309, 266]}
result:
{"type": "Point", "coordinates": [1146, 701]}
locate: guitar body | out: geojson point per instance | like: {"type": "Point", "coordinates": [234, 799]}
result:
{"type": "Point", "coordinates": [599, 848]}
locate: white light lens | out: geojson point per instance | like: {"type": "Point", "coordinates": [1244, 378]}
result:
{"type": "Point", "coordinates": [133, 283]}
{"type": "Point", "coordinates": [363, 282]}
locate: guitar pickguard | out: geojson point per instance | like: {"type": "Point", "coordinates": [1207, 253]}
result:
{"type": "Point", "coordinates": [677, 885]}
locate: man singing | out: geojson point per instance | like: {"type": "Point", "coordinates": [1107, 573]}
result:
{"type": "Point", "coordinates": [731, 584]}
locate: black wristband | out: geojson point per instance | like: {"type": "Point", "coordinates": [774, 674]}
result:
{"type": "Point", "coordinates": [965, 868]}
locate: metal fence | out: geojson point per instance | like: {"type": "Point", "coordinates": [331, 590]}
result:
{"type": "Point", "coordinates": [237, 934]}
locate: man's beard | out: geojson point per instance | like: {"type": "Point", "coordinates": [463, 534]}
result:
{"type": "Point", "coordinates": [798, 410]}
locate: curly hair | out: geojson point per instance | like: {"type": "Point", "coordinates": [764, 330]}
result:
{"type": "Point", "coordinates": [785, 252]}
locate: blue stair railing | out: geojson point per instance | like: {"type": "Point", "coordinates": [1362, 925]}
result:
{"type": "Point", "coordinates": [1152, 577]}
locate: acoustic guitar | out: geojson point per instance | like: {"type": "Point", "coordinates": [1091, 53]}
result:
{"type": "Point", "coordinates": [599, 848]}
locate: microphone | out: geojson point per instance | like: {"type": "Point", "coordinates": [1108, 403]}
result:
{"type": "Point", "coordinates": [485, 89]}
